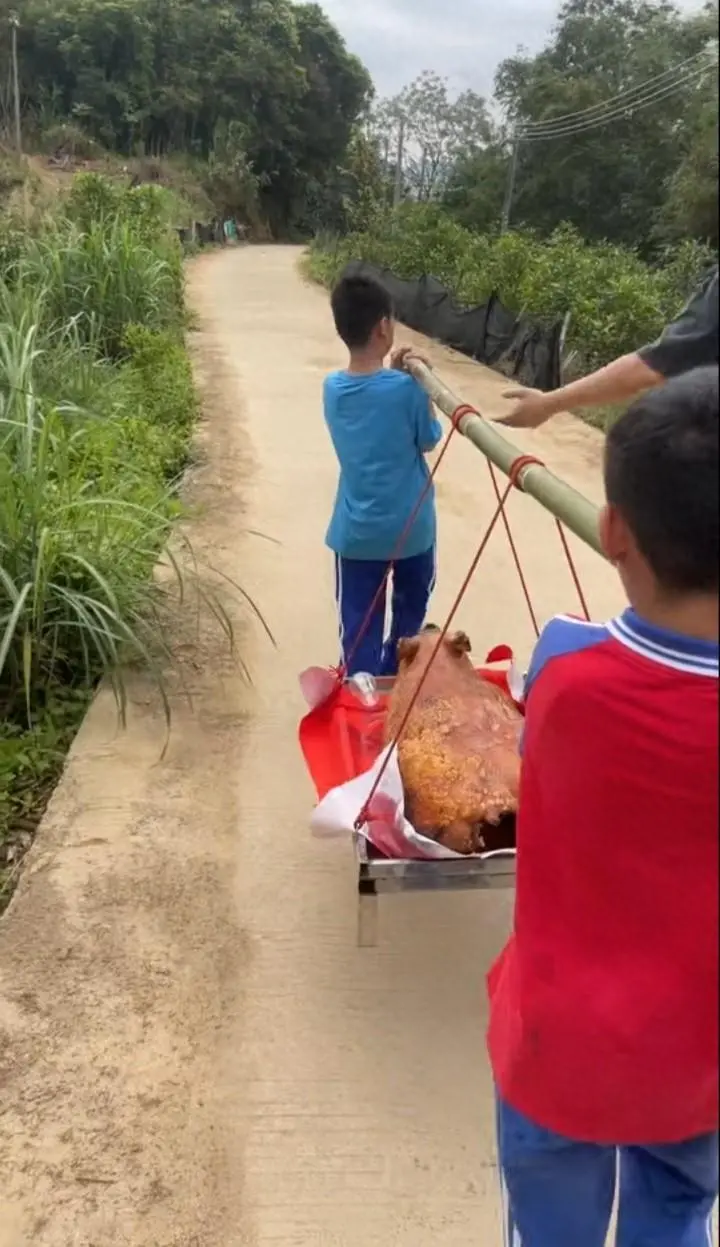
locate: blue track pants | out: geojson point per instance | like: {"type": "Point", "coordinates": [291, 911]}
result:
{"type": "Point", "coordinates": [356, 583]}
{"type": "Point", "coordinates": [561, 1194]}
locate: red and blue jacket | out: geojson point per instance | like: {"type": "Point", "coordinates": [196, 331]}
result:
{"type": "Point", "coordinates": [604, 1005]}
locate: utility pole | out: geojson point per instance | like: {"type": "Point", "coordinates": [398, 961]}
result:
{"type": "Point", "coordinates": [385, 158]}
{"type": "Point", "coordinates": [399, 167]}
{"type": "Point", "coordinates": [14, 23]}
{"type": "Point", "coordinates": [510, 192]}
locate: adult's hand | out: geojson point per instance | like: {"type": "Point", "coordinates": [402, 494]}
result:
{"type": "Point", "coordinates": [619, 381]}
{"type": "Point", "coordinates": [531, 409]}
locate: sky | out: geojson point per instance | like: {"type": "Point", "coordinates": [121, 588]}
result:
{"type": "Point", "coordinates": [462, 40]}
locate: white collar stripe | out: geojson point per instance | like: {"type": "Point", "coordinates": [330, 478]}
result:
{"type": "Point", "coordinates": [663, 651]}
{"type": "Point", "coordinates": [700, 664]}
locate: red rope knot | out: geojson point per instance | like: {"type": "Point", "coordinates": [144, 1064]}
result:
{"type": "Point", "coordinates": [459, 414]}
{"type": "Point", "coordinates": [519, 466]}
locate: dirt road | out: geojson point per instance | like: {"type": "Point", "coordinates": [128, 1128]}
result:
{"type": "Point", "coordinates": [193, 1053]}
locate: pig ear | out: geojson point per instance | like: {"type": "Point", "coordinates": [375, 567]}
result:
{"type": "Point", "coordinates": [460, 643]}
{"type": "Point", "coordinates": [408, 650]}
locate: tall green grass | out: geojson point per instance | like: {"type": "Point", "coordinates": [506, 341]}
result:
{"type": "Point", "coordinates": [104, 279]}
{"type": "Point", "coordinates": [78, 539]}
{"type": "Point", "coordinates": [96, 412]}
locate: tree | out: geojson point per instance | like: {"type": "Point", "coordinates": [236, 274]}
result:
{"type": "Point", "coordinates": [337, 91]}
{"type": "Point", "coordinates": [436, 129]}
{"type": "Point", "coordinates": [476, 188]}
{"type": "Point", "coordinates": [691, 206]}
{"type": "Point", "coordinates": [230, 180]}
{"type": "Point", "coordinates": [692, 203]}
{"type": "Point", "coordinates": [610, 181]}
{"type": "Point", "coordinates": [161, 76]}
{"type": "Point", "coordinates": [352, 197]}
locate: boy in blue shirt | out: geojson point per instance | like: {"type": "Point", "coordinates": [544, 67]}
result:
{"type": "Point", "coordinates": [382, 425]}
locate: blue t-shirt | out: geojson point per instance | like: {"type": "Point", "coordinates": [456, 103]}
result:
{"type": "Point", "coordinates": [381, 426]}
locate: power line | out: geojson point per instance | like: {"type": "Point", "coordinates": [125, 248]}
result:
{"type": "Point", "coordinates": [611, 113]}
{"type": "Point", "coordinates": [539, 136]}
{"type": "Point", "coordinates": [640, 89]}
{"type": "Point", "coordinates": [618, 109]}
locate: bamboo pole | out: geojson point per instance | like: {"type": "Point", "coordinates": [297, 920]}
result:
{"type": "Point", "coordinates": [560, 499]}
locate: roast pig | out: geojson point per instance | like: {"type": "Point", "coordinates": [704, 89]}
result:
{"type": "Point", "coordinates": [459, 752]}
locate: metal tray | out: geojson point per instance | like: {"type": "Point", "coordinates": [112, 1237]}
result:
{"type": "Point", "coordinates": [378, 875]}
{"type": "Point", "coordinates": [381, 874]}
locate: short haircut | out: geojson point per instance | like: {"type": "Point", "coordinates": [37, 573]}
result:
{"type": "Point", "coordinates": [661, 472]}
{"type": "Point", "coordinates": [359, 304]}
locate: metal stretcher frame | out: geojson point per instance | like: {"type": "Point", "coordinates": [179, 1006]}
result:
{"type": "Point", "coordinates": [381, 875]}
{"type": "Point", "coordinates": [377, 875]}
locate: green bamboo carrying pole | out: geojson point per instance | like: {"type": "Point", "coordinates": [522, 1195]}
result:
{"type": "Point", "coordinates": [560, 499]}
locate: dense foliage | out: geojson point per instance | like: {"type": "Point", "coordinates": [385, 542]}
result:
{"type": "Point", "coordinates": [611, 223]}
{"type": "Point", "coordinates": [648, 174]}
{"type": "Point", "coordinates": [612, 181]}
{"type": "Point", "coordinates": [96, 409]}
{"type": "Point", "coordinates": [615, 300]}
{"type": "Point", "coordinates": [264, 97]}
{"type": "Point", "coordinates": [159, 76]}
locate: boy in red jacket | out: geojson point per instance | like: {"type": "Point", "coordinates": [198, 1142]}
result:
{"type": "Point", "coordinates": [604, 1005]}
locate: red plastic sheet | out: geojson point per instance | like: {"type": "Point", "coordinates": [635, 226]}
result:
{"type": "Point", "coordinates": [342, 737]}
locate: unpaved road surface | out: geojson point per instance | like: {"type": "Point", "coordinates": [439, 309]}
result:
{"type": "Point", "coordinates": [193, 1052]}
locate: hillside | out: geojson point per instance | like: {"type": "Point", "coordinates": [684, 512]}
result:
{"type": "Point", "coordinates": [33, 183]}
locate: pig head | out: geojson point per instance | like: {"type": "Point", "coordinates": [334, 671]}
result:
{"type": "Point", "coordinates": [459, 752]}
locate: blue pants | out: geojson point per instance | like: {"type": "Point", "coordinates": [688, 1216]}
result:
{"type": "Point", "coordinates": [356, 583]}
{"type": "Point", "coordinates": [561, 1194]}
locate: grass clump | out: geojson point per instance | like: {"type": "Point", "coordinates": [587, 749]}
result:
{"type": "Point", "coordinates": [96, 412]}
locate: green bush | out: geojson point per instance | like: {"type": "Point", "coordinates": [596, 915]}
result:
{"type": "Point", "coordinates": [615, 300]}
{"type": "Point", "coordinates": [157, 385]}
{"type": "Point", "coordinates": [71, 140]}
{"type": "Point", "coordinates": [12, 173]}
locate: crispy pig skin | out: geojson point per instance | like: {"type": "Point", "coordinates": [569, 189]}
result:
{"type": "Point", "coordinates": [459, 753]}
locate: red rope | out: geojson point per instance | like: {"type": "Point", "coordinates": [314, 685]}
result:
{"type": "Point", "coordinates": [514, 482]}
{"type": "Point", "coordinates": [363, 815]}
{"type": "Point", "coordinates": [516, 470]}
{"type": "Point", "coordinates": [518, 467]}
{"type": "Point", "coordinates": [462, 410]}
{"type": "Point", "coordinates": [573, 569]}
{"type": "Point", "coordinates": [514, 551]}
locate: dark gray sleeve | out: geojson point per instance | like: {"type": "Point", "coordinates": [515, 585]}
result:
{"type": "Point", "coordinates": [691, 341]}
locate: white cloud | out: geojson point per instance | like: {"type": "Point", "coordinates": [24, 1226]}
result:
{"type": "Point", "coordinates": [463, 40]}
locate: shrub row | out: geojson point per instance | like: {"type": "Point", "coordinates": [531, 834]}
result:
{"type": "Point", "coordinates": [615, 300]}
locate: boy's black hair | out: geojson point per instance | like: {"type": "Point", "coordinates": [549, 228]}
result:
{"type": "Point", "coordinates": [661, 472]}
{"type": "Point", "coordinates": [359, 304]}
